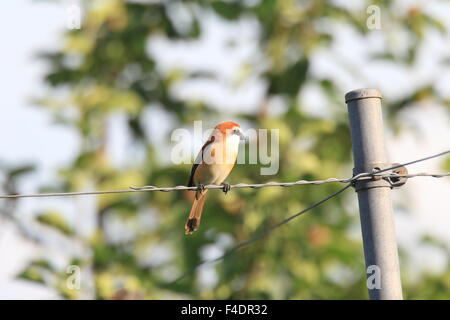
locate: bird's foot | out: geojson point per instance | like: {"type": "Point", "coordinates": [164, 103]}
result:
{"type": "Point", "coordinates": [201, 187]}
{"type": "Point", "coordinates": [226, 187]}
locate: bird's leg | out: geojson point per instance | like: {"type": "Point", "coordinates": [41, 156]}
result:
{"type": "Point", "coordinates": [226, 187]}
{"type": "Point", "coordinates": [201, 188]}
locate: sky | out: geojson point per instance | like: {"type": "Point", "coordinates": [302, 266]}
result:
{"type": "Point", "coordinates": [28, 135]}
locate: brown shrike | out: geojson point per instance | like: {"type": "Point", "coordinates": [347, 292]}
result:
{"type": "Point", "coordinates": [212, 166]}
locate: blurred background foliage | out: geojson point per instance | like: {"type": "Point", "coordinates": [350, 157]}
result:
{"type": "Point", "coordinates": [138, 247]}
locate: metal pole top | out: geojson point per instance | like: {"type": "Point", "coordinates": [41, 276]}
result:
{"type": "Point", "coordinates": [362, 94]}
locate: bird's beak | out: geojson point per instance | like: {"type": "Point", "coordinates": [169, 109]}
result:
{"type": "Point", "coordinates": [242, 137]}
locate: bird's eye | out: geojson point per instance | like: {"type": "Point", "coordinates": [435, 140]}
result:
{"type": "Point", "coordinates": [235, 131]}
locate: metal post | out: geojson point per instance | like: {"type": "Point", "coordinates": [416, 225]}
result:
{"type": "Point", "coordinates": [374, 196]}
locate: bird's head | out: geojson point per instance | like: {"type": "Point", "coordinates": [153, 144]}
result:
{"type": "Point", "coordinates": [230, 129]}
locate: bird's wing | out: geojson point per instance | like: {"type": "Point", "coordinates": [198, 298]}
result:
{"type": "Point", "coordinates": [199, 160]}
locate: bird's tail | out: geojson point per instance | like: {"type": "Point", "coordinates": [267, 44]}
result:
{"type": "Point", "coordinates": [196, 212]}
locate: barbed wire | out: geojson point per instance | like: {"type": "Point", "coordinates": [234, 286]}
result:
{"type": "Point", "coordinates": [365, 176]}
{"type": "Point", "coordinates": [358, 177]}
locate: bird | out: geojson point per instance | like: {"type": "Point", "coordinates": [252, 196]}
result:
{"type": "Point", "coordinates": [213, 164]}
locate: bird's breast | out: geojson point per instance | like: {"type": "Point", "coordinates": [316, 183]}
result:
{"type": "Point", "coordinates": [218, 161]}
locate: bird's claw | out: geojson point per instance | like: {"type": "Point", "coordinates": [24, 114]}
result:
{"type": "Point", "coordinates": [201, 187]}
{"type": "Point", "coordinates": [226, 187]}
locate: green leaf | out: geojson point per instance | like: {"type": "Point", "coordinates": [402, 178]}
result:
{"type": "Point", "coordinates": [446, 164]}
{"type": "Point", "coordinates": [42, 264]}
{"type": "Point", "coordinates": [32, 273]}
{"type": "Point", "coordinates": [21, 170]}
{"type": "Point", "coordinates": [227, 10]}
{"type": "Point", "coordinates": [55, 220]}
{"type": "Point", "coordinates": [290, 80]}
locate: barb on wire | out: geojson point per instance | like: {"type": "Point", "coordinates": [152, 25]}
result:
{"type": "Point", "coordinates": [264, 233]}
{"type": "Point", "coordinates": [359, 177]}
